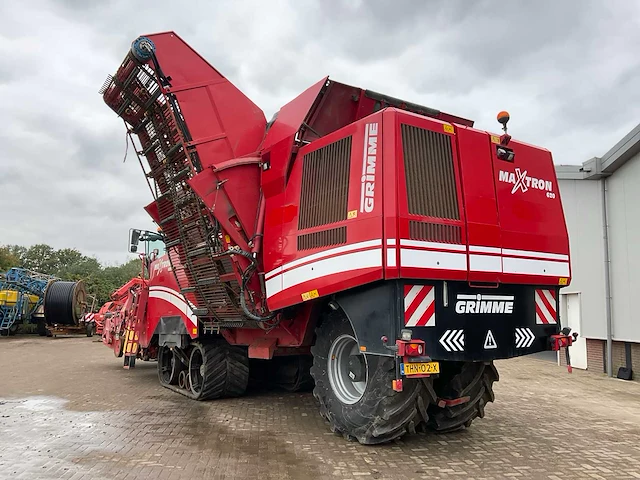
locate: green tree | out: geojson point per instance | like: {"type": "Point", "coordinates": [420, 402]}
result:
{"type": "Point", "coordinates": [7, 259]}
{"type": "Point", "coordinates": [41, 258]}
{"type": "Point", "coordinates": [66, 257]}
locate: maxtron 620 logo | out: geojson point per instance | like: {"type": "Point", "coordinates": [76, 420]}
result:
{"type": "Point", "coordinates": [369, 159]}
{"type": "Point", "coordinates": [523, 182]}
{"type": "Point", "coordinates": [487, 304]}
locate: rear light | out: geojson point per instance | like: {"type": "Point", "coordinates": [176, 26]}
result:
{"type": "Point", "coordinates": [414, 349]}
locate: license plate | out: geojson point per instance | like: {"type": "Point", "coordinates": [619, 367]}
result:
{"type": "Point", "coordinates": [423, 368]}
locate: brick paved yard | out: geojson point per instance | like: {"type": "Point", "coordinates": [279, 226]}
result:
{"type": "Point", "coordinates": [68, 410]}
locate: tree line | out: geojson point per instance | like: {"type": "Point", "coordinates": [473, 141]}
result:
{"type": "Point", "coordinates": [71, 265]}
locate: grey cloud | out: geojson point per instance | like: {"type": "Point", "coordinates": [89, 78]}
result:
{"type": "Point", "coordinates": [567, 71]}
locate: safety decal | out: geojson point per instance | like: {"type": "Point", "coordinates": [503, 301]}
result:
{"type": "Point", "coordinates": [524, 337]}
{"type": "Point", "coordinates": [546, 307]}
{"type": "Point", "coordinates": [419, 306]}
{"type": "Point", "coordinates": [489, 341]}
{"type": "Point", "coordinates": [453, 340]}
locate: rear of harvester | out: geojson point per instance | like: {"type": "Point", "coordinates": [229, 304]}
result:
{"type": "Point", "coordinates": [401, 247]}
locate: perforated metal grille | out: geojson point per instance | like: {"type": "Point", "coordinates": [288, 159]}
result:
{"type": "Point", "coordinates": [325, 238]}
{"type": "Point", "coordinates": [429, 173]}
{"type": "Point", "coordinates": [435, 232]}
{"type": "Point", "coordinates": [325, 185]}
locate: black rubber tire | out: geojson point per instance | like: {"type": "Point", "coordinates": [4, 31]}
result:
{"type": "Point", "coordinates": [382, 414]}
{"type": "Point", "coordinates": [294, 375]}
{"type": "Point", "coordinates": [225, 371]}
{"type": "Point", "coordinates": [43, 331]}
{"type": "Point", "coordinates": [4, 332]}
{"type": "Point", "coordinates": [168, 375]}
{"type": "Point", "coordinates": [90, 327]}
{"type": "Point", "coordinates": [290, 373]}
{"type": "Point", "coordinates": [458, 379]}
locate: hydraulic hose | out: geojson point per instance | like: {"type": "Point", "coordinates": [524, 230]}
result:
{"type": "Point", "coordinates": [64, 303]}
{"type": "Point", "coordinates": [245, 277]}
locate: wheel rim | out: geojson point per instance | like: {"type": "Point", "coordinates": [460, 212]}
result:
{"type": "Point", "coordinates": [347, 391]}
{"type": "Point", "coordinates": [195, 371]}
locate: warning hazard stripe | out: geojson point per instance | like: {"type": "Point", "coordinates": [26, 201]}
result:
{"type": "Point", "coordinates": [546, 307]}
{"type": "Point", "coordinates": [419, 306]}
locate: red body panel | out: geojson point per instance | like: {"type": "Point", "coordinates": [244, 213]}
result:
{"type": "Point", "coordinates": [248, 182]}
{"type": "Point", "coordinates": [222, 121]}
{"type": "Point", "coordinates": [290, 274]}
{"type": "Point", "coordinates": [165, 300]}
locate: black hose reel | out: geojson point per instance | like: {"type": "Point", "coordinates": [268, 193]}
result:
{"type": "Point", "coordinates": [65, 303]}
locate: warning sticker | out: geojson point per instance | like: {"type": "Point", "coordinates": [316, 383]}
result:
{"type": "Point", "coordinates": [489, 341]}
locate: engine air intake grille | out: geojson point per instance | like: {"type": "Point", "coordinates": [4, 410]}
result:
{"type": "Point", "coordinates": [429, 173]}
{"type": "Point", "coordinates": [434, 232]}
{"type": "Point", "coordinates": [325, 185]}
{"type": "Point", "coordinates": [325, 238]}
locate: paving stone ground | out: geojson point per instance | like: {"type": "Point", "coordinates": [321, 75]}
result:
{"type": "Point", "coordinates": [69, 411]}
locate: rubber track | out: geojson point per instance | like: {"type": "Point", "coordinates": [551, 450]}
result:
{"type": "Point", "coordinates": [226, 370]}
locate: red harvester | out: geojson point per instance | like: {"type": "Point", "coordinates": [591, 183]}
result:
{"type": "Point", "coordinates": [392, 246]}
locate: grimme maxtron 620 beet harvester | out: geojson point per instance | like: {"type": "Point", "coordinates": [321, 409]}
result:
{"type": "Point", "coordinates": [394, 246]}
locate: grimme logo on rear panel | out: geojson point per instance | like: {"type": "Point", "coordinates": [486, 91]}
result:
{"type": "Point", "coordinates": [484, 304]}
{"type": "Point", "coordinates": [369, 159]}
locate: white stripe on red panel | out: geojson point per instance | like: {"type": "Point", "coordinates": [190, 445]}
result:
{"type": "Point", "coordinates": [347, 262]}
{"type": "Point", "coordinates": [480, 249]}
{"type": "Point", "coordinates": [419, 306]}
{"type": "Point", "coordinates": [485, 263]}
{"type": "Point", "coordinates": [546, 313]}
{"type": "Point", "coordinates": [528, 253]}
{"type": "Point", "coordinates": [174, 298]}
{"type": "Point", "coordinates": [433, 259]}
{"type": "Point", "coordinates": [433, 245]}
{"type": "Point", "coordinates": [528, 266]}
{"type": "Point", "coordinates": [323, 254]}
{"type": "Point", "coordinates": [391, 257]}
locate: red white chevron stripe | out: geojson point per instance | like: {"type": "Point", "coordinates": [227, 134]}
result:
{"type": "Point", "coordinates": [419, 306]}
{"type": "Point", "coordinates": [88, 317]}
{"type": "Point", "coordinates": [546, 307]}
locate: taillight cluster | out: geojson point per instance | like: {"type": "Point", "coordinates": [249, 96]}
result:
{"type": "Point", "coordinates": [414, 349]}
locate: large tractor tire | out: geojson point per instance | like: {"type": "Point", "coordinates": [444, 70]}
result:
{"type": "Point", "coordinates": [169, 367]}
{"type": "Point", "coordinates": [459, 380]}
{"type": "Point", "coordinates": [293, 374]}
{"type": "Point", "coordinates": [217, 369]}
{"type": "Point", "coordinates": [355, 391]}
{"type": "Point", "coordinates": [290, 373]}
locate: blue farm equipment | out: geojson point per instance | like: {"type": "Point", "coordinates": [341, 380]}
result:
{"type": "Point", "coordinates": [32, 297]}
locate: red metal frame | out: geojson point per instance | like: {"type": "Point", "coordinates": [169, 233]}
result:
{"type": "Point", "coordinates": [251, 178]}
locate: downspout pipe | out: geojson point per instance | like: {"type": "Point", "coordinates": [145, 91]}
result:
{"type": "Point", "coordinates": [607, 278]}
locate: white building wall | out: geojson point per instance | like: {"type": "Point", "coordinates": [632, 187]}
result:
{"type": "Point", "coordinates": [623, 208]}
{"type": "Point", "coordinates": [582, 204]}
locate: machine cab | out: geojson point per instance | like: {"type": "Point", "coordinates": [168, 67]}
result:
{"type": "Point", "coordinates": [154, 245]}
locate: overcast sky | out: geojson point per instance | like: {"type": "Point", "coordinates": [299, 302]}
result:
{"type": "Point", "coordinates": [567, 71]}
